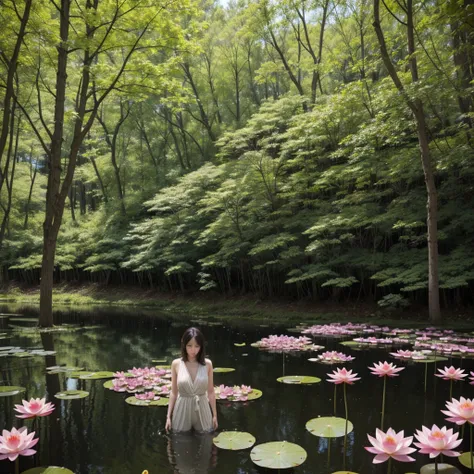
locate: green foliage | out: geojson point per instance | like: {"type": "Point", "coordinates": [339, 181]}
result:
{"type": "Point", "coordinates": [210, 169]}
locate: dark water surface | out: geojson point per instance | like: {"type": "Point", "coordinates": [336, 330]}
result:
{"type": "Point", "coordinates": [102, 434]}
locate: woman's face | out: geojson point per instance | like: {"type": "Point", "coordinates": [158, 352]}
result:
{"type": "Point", "coordinates": [192, 349]}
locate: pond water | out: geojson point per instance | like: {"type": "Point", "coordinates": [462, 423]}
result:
{"type": "Point", "coordinates": [102, 434]}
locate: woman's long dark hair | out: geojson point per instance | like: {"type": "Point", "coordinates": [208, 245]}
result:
{"type": "Point", "coordinates": [198, 336]}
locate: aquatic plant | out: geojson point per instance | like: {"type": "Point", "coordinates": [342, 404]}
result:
{"type": "Point", "coordinates": [278, 455]}
{"type": "Point", "coordinates": [435, 441]}
{"type": "Point", "coordinates": [384, 369]}
{"type": "Point", "coordinates": [390, 445]}
{"type": "Point", "coordinates": [234, 440]}
{"type": "Point", "coordinates": [234, 394]}
{"type": "Point", "coordinates": [142, 379]}
{"type": "Point", "coordinates": [16, 443]}
{"type": "Point", "coordinates": [459, 412]}
{"type": "Point", "coordinates": [451, 374]}
{"type": "Point", "coordinates": [344, 376]}
{"type": "Point", "coordinates": [35, 407]}
{"type": "Point", "coordinates": [283, 343]}
{"type": "Point", "coordinates": [333, 357]}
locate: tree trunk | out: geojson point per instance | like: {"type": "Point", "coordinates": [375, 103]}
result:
{"type": "Point", "coordinates": [429, 167]}
{"type": "Point", "coordinates": [9, 182]}
{"type": "Point", "coordinates": [54, 206]}
{"type": "Point", "coordinates": [12, 64]}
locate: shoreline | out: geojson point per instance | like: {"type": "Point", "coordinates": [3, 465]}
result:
{"type": "Point", "coordinates": [247, 307]}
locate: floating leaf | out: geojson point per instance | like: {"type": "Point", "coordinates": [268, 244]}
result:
{"type": "Point", "coordinates": [329, 426]}
{"type": "Point", "coordinates": [75, 374]}
{"type": "Point", "coordinates": [278, 455]}
{"type": "Point", "coordinates": [254, 394]}
{"type": "Point", "coordinates": [441, 469]}
{"type": "Point", "coordinates": [234, 440]}
{"type": "Point", "coordinates": [72, 394]}
{"type": "Point", "coordinates": [349, 343]}
{"type": "Point", "coordinates": [348, 472]}
{"type": "Point", "coordinates": [299, 379]}
{"type": "Point", "coordinates": [161, 402]}
{"type": "Point", "coordinates": [97, 375]}
{"type": "Point", "coordinates": [239, 344]}
{"type": "Point", "coordinates": [109, 384]}
{"type": "Point", "coordinates": [465, 459]}
{"type": "Point", "coordinates": [70, 371]}
{"type": "Point", "coordinates": [166, 367]}
{"type": "Point", "coordinates": [219, 370]}
{"type": "Point", "coordinates": [48, 470]}
{"type": "Point", "coordinates": [9, 391]}
{"type": "Point", "coordinates": [429, 359]}
{"type": "Point", "coordinates": [160, 361]}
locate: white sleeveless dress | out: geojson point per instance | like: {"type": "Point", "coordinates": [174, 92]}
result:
{"type": "Point", "coordinates": [192, 409]}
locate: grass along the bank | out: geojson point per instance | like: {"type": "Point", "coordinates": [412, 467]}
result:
{"type": "Point", "coordinates": [248, 307]}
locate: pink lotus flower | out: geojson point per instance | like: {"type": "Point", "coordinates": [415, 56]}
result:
{"type": "Point", "coordinates": [35, 407]}
{"type": "Point", "coordinates": [333, 357]}
{"type": "Point", "coordinates": [460, 411]}
{"type": "Point", "coordinates": [451, 373]}
{"type": "Point", "coordinates": [147, 396]}
{"type": "Point", "coordinates": [343, 376]}
{"type": "Point", "coordinates": [385, 369]}
{"type": "Point", "coordinates": [401, 354]}
{"type": "Point", "coordinates": [437, 441]}
{"type": "Point", "coordinates": [17, 442]}
{"type": "Point", "coordinates": [471, 378]}
{"type": "Point", "coordinates": [390, 445]}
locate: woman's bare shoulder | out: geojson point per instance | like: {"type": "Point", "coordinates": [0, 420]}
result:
{"type": "Point", "coordinates": [209, 363]}
{"type": "Point", "coordinates": [175, 363]}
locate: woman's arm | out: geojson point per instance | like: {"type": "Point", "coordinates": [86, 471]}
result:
{"type": "Point", "coordinates": [173, 395]}
{"type": "Point", "coordinates": [211, 394]}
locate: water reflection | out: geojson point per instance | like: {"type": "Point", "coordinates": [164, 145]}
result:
{"type": "Point", "coordinates": [192, 453]}
{"type": "Point", "coordinates": [101, 434]}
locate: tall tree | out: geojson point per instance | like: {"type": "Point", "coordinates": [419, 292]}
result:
{"type": "Point", "coordinates": [429, 165]}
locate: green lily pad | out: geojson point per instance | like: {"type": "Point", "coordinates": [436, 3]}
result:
{"type": "Point", "coordinates": [72, 394]}
{"type": "Point", "coordinates": [166, 367]}
{"type": "Point", "coordinates": [278, 455]}
{"type": "Point", "coordinates": [429, 360]}
{"type": "Point", "coordinates": [76, 374]}
{"type": "Point", "coordinates": [48, 470]}
{"type": "Point", "coordinates": [219, 370]}
{"type": "Point", "coordinates": [22, 354]}
{"type": "Point", "coordinates": [255, 344]}
{"type": "Point", "coordinates": [160, 361]}
{"type": "Point", "coordinates": [10, 390]}
{"type": "Point", "coordinates": [72, 372]}
{"type": "Point", "coordinates": [348, 472]}
{"type": "Point", "coordinates": [234, 440]}
{"type": "Point", "coordinates": [299, 379]}
{"type": "Point", "coordinates": [239, 344]}
{"type": "Point", "coordinates": [254, 394]}
{"type": "Point", "coordinates": [109, 384]}
{"type": "Point", "coordinates": [349, 343]}
{"type": "Point", "coordinates": [161, 402]}
{"type": "Point", "coordinates": [465, 459]}
{"type": "Point", "coordinates": [329, 426]}
{"type": "Point", "coordinates": [97, 375]}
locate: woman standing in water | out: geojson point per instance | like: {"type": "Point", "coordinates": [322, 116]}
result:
{"type": "Point", "coordinates": [192, 387]}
